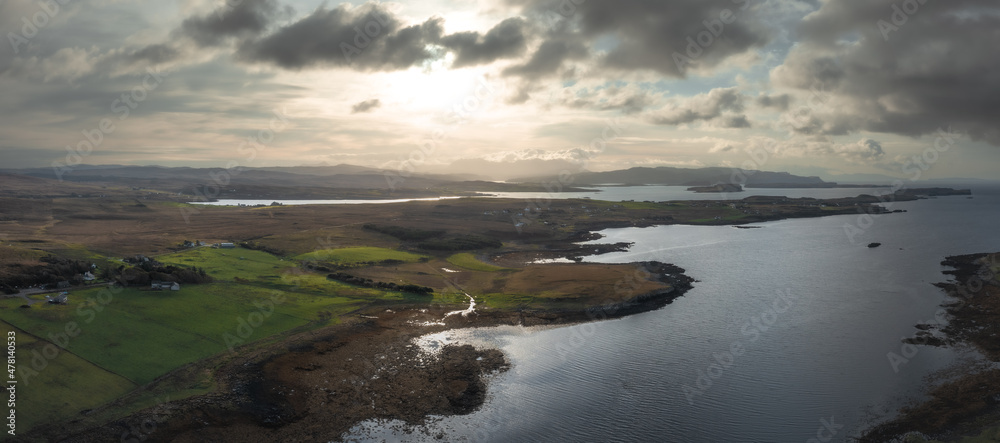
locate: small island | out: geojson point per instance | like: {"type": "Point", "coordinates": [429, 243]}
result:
{"type": "Point", "coordinates": [718, 188]}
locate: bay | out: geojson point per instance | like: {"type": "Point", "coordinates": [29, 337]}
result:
{"type": "Point", "coordinates": [823, 357]}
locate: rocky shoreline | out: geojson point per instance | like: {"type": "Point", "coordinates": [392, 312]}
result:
{"type": "Point", "coordinates": [315, 386]}
{"type": "Point", "coordinates": [967, 403]}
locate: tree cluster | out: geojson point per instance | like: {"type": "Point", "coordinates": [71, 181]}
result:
{"type": "Point", "coordinates": [252, 245]}
{"type": "Point", "coordinates": [369, 283]}
{"type": "Point", "coordinates": [54, 270]}
{"type": "Point", "coordinates": [460, 243]}
{"type": "Point", "coordinates": [146, 272]}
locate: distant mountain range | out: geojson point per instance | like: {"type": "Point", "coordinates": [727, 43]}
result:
{"type": "Point", "coordinates": [350, 181]}
{"type": "Point", "coordinates": [689, 177]}
{"type": "Point", "coordinates": [303, 182]}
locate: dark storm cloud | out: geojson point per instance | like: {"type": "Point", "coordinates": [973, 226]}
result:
{"type": "Point", "coordinates": [506, 39]}
{"type": "Point", "coordinates": [549, 57]}
{"type": "Point", "coordinates": [904, 67]}
{"type": "Point", "coordinates": [665, 37]}
{"type": "Point", "coordinates": [368, 37]}
{"type": "Point", "coordinates": [366, 106]}
{"type": "Point", "coordinates": [234, 19]}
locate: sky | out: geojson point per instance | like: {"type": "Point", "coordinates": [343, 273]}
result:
{"type": "Point", "coordinates": [903, 88]}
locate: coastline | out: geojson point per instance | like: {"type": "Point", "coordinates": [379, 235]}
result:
{"type": "Point", "coordinates": [968, 403]}
{"type": "Point", "coordinates": [551, 234]}
{"type": "Point", "coordinates": [316, 385]}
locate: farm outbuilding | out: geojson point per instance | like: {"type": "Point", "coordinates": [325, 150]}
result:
{"type": "Point", "coordinates": [160, 285]}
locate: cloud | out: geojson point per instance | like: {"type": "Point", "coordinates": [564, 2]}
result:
{"type": "Point", "coordinates": [66, 64]}
{"type": "Point", "coordinates": [897, 72]}
{"type": "Point", "coordinates": [366, 106]}
{"type": "Point", "coordinates": [154, 54]}
{"type": "Point", "coordinates": [710, 106]}
{"type": "Point", "coordinates": [372, 38]}
{"type": "Point", "coordinates": [732, 121]}
{"type": "Point", "coordinates": [722, 146]}
{"type": "Point", "coordinates": [233, 19]}
{"type": "Point", "coordinates": [367, 38]}
{"type": "Point", "coordinates": [575, 154]}
{"type": "Point", "coordinates": [646, 35]}
{"type": "Point", "coordinates": [629, 99]}
{"type": "Point", "coordinates": [779, 102]}
{"type": "Point", "coordinates": [507, 39]}
{"type": "Point", "coordinates": [548, 58]}
{"type": "Point", "coordinates": [864, 151]}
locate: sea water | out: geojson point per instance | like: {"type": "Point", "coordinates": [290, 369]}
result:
{"type": "Point", "coordinates": [788, 334]}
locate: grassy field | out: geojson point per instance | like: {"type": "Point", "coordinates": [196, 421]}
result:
{"type": "Point", "coordinates": [60, 387]}
{"type": "Point", "coordinates": [141, 335]}
{"type": "Point", "coordinates": [227, 264]}
{"type": "Point", "coordinates": [358, 255]}
{"type": "Point", "coordinates": [470, 262]}
{"type": "Point", "coordinates": [134, 336]}
{"type": "Point", "coordinates": [128, 337]}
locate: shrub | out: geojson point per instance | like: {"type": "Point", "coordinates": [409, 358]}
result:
{"type": "Point", "coordinates": [463, 243]}
{"type": "Point", "coordinates": [369, 283]}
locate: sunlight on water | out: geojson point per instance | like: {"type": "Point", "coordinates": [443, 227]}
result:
{"type": "Point", "coordinates": [672, 374]}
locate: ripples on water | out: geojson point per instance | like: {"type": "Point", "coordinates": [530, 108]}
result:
{"type": "Point", "coordinates": [824, 356]}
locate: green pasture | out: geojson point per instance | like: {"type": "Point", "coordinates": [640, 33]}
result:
{"type": "Point", "coordinates": [130, 337]}
{"type": "Point", "coordinates": [358, 255]}
{"type": "Point", "coordinates": [59, 388]}
{"type": "Point", "coordinates": [141, 334]}
{"type": "Point", "coordinates": [468, 261]}
{"type": "Point", "coordinates": [227, 264]}
{"type": "Point", "coordinates": [319, 285]}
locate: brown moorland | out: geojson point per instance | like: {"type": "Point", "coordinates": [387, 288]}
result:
{"type": "Point", "coordinates": [105, 221]}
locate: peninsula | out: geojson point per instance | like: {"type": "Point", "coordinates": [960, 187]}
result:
{"type": "Point", "coordinates": [291, 295]}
